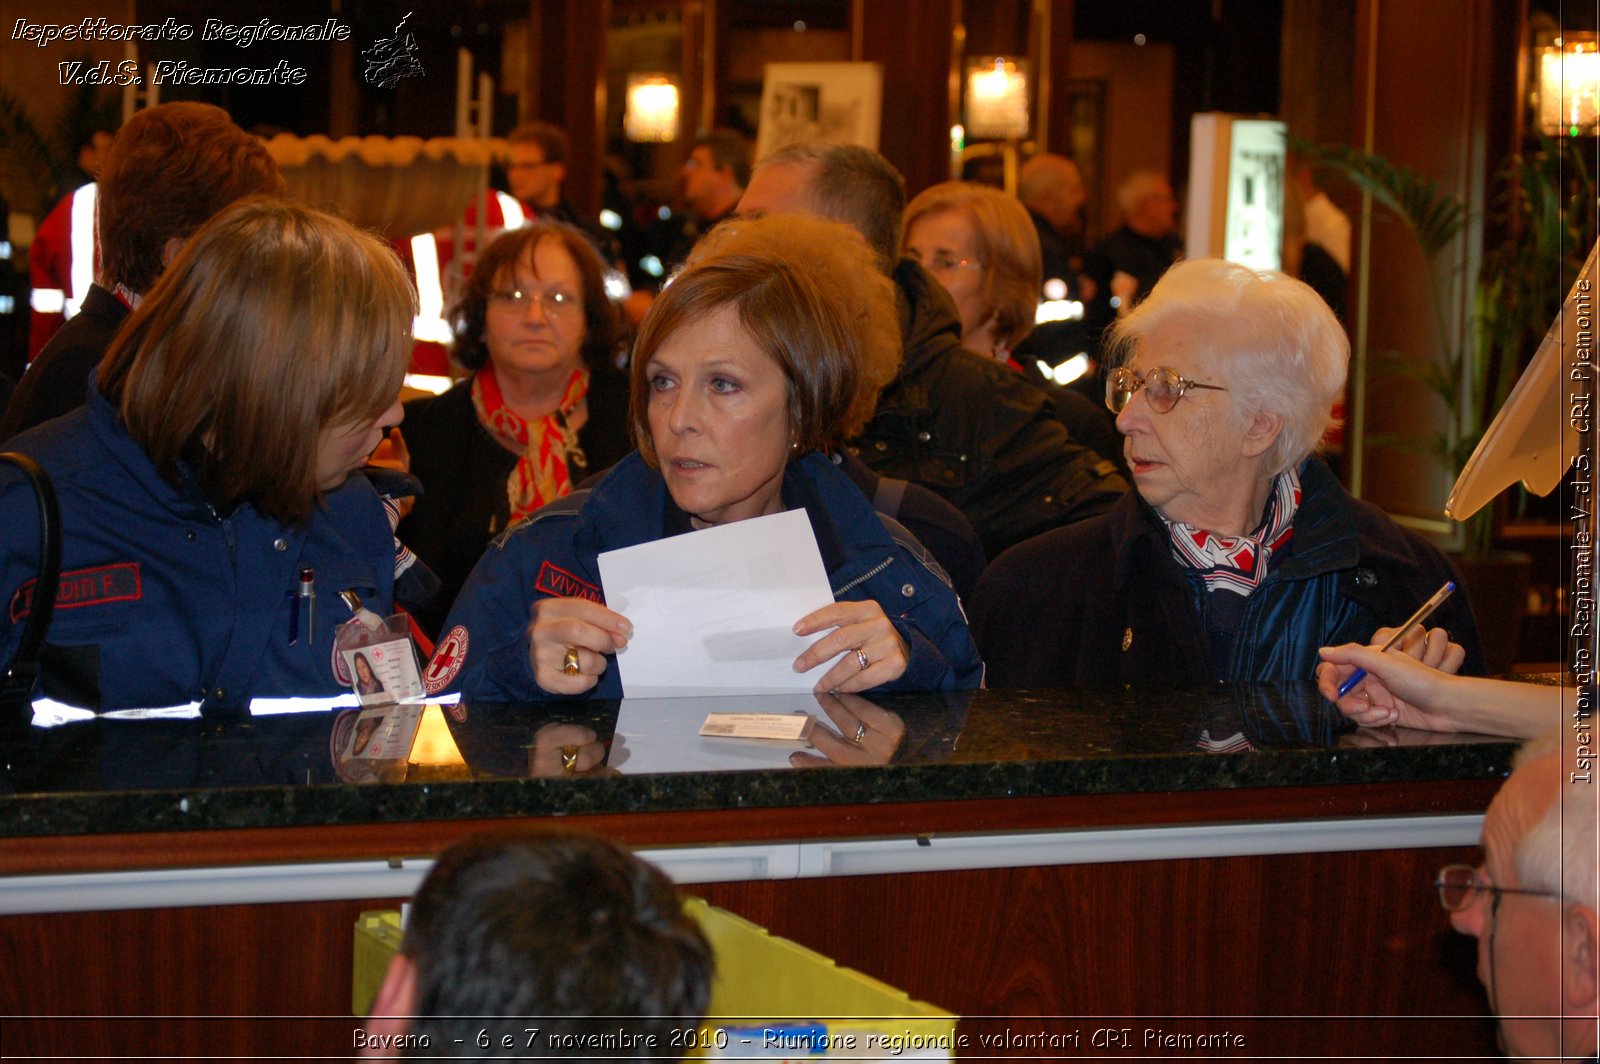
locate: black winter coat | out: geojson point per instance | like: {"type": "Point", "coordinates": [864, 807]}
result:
{"type": "Point", "coordinates": [463, 472]}
{"type": "Point", "coordinates": [976, 433]}
{"type": "Point", "coordinates": [1104, 603]}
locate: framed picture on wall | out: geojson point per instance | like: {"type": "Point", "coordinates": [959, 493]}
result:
{"type": "Point", "coordinates": [835, 103]}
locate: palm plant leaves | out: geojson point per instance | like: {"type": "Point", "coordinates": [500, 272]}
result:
{"type": "Point", "coordinates": [33, 159]}
{"type": "Point", "coordinates": [1548, 206]}
{"type": "Point", "coordinates": [27, 157]}
{"type": "Point", "coordinates": [1434, 216]}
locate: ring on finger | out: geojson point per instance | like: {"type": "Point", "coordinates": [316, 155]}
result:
{"type": "Point", "coordinates": [569, 662]}
{"type": "Point", "coordinates": [861, 732]}
{"type": "Point", "coordinates": [569, 759]}
{"type": "Point", "coordinates": [861, 658]}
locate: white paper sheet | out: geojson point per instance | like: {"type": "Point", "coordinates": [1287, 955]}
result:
{"type": "Point", "coordinates": [713, 612]}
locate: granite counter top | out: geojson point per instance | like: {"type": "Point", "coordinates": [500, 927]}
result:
{"type": "Point", "coordinates": [297, 769]}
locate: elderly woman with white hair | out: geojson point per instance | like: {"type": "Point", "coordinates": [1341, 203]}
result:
{"type": "Point", "coordinates": [1240, 554]}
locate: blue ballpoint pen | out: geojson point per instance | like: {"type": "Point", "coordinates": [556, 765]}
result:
{"type": "Point", "coordinates": [1423, 613]}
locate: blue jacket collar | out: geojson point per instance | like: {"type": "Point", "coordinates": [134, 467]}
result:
{"type": "Point", "coordinates": [630, 505]}
{"type": "Point", "coordinates": [184, 500]}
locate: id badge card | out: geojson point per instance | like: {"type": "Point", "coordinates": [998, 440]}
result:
{"type": "Point", "coordinates": [383, 733]}
{"type": "Point", "coordinates": [377, 659]}
{"type": "Point", "coordinates": [371, 745]}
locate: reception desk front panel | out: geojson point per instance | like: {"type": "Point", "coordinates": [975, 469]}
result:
{"type": "Point", "coordinates": [1226, 853]}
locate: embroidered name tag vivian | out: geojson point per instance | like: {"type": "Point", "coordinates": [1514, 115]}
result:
{"type": "Point", "coordinates": [84, 587]}
{"type": "Point", "coordinates": [554, 580]}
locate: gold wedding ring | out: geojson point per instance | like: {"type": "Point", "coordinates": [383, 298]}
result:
{"type": "Point", "coordinates": [569, 664]}
{"type": "Point", "coordinates": [861, 732]}
{"type": "Point", "coordinates": [862, 658]}
{"type": "Point", "coordinates": [569, 759]}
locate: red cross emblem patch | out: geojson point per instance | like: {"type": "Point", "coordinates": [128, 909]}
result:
{"type": "Point", "coordinates": [448, 657]}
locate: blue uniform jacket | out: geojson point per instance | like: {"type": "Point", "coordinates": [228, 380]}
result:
{"type": "Point", "coordinates": [161, 601]}
{"type": "Point", "coordinates": [553, 554]}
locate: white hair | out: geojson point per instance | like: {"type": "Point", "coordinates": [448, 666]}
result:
{"type": "Point", "coordinates": [1138, 187]}
{"type": "Point", "coordinates": [1558, 853]}
{"type": "Point", "coordinates": [1277, 346]}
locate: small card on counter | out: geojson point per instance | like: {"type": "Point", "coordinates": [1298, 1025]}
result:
{"type": "Point", "coordinates": [791, 727]}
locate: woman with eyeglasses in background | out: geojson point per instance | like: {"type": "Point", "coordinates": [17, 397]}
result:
{"type": "Point", "coordinates": [981, 246]}
{"type": "Point", "coordinates": [545, 406]}
{"type": "Point", "coordinates": [1239, 555]}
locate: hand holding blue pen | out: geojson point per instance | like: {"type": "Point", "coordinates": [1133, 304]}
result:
{"type": "Point", "coordinates": [1423, 613]}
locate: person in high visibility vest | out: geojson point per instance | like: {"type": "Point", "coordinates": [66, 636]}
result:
{"type": "Point", "coordinates": [61, 260]}
{"type": "Point", "coordinates": [169, 170]}
{"type": "Point", "coordinates": [61, 265]}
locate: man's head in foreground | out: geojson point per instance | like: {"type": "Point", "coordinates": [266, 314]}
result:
{"type": "Point", "coordinates": [1532, 906]}
{"type": "Point", "coordinates": [559, 931]}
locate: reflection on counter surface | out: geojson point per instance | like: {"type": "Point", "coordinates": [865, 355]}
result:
{"type": "Point", "coordinates": [468, 761]}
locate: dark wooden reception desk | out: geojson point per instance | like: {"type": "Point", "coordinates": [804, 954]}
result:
{"type": "Point", "coordinates": [1185, 862]}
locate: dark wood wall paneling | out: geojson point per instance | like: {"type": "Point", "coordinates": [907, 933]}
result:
{"type": "Point", "coordinates": [912, 41]}
{"type": "Point", "coordinates": [568, 40]}
{"type": "Point", "coordinates": [1424, 102]}
{"type": "Point", "coordinates": [1296, 937]}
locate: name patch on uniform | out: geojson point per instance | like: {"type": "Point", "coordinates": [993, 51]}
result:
{"type": "Point", "coordinates": [554, 580]}
{"type": "Point", "coordinates": [84, 587]}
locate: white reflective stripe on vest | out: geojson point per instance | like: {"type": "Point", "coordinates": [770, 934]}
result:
{"type": "Point", "coordinates": [83, 221]}
{"type": "Point", "coordinates": [429, 324]}
{"type": "Point", "coordinates": [511, 211]}
{"type": "Point", "coordinates": [48, 300]}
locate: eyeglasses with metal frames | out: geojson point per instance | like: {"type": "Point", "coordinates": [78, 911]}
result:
{"type": "Point", "coordinates": [944, 262]}
{"type": "Point", "coordinates": [555, 303]}
{"type": "Point", "coordinates": [1458, 888]}
{"type": "Point", "coordinates": [1163, 388]}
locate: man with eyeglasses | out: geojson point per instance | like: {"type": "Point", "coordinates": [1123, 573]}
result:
{"type": "Point", "coordinates": [1532, 905]}
{"type": "Point", "coordinates": [713, 178]}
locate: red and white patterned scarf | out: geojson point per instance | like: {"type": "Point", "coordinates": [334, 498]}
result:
{"type": "Point", "coordinates": [1239, 563]}
{"type": "Point", "coordinates": [543, 446]}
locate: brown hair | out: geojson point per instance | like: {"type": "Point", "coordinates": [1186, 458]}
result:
{"type": "Point", "coordinates": [168, 170]}
{"type": "Point", "coordinates": [275, 322]}
{"type": "Point", "coordinates": [601, 328]}
{"type": "Point", "coordinates": [810, 294]}
{"type": "Point", "coordinates": [729, 149]}
{"type": "Point", "coordinates": [1007, 244]}
{"type": "Point", "coordinates": [552, 140]}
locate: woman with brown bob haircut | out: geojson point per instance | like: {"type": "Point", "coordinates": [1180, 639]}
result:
{"type": "Point", "coordinates": [209, 518]}
{"type": "Point", "coordinates": [825, 328]}
{"type": "Point", "coordinates": [755, 361]}
{"type": "Point", "coordinates": [545, 406]}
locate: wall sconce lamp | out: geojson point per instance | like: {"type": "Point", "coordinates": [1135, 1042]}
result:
{"type": "Point", "coordinates": [1569, 84]}
{"type": "Point", "coordinates": [652, 111]}
{"type": "Point", "coordinates": [997, 98]}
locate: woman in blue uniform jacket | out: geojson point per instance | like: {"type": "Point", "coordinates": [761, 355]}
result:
{"type": "Point", "coordinates": [211, 468]}
{"type": "Point", "coordinates": [765, 352]}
